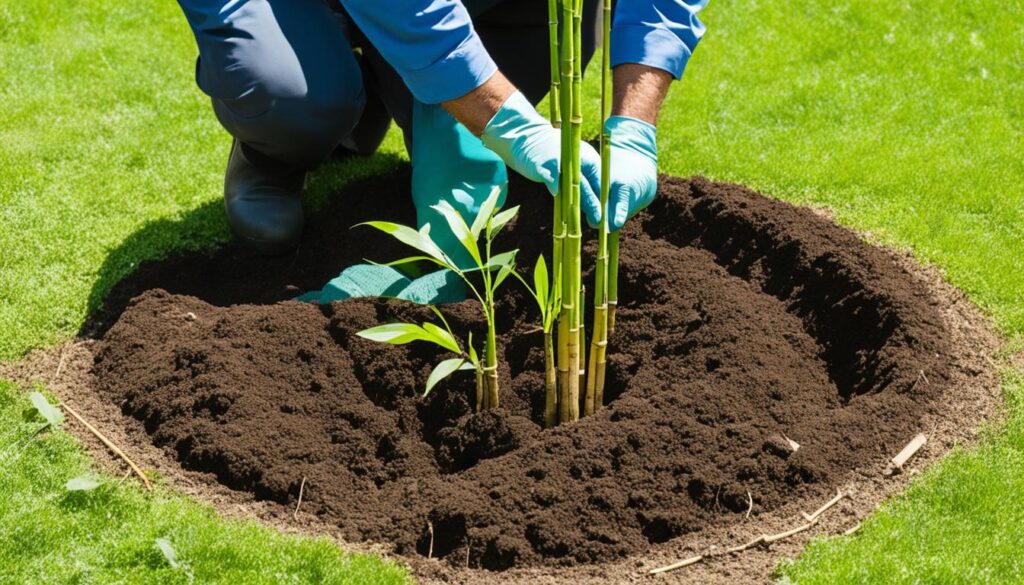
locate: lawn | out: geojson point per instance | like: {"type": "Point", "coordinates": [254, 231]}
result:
{"type": "Point", "coordinates": [905, 120]}
{"type": "Point", "coordinates": [108, 534]}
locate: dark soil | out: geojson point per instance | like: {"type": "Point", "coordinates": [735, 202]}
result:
{"type": "Point", "coordinates": [744, 322]}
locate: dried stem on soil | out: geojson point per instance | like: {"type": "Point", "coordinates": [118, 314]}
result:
{"type": "Point", "coordinates": [302, 489]}
{"type": "Point", "coordinates": [679, 565]}
{"type": "Point", "coordinates": [825, 507]}
{"type": "Point", "coordinates": [110, 445]}
{"type": "Point", "coordinates": [901, 458]}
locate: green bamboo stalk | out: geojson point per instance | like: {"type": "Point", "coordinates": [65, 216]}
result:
{"type": "Point", "coordinates": [566, 315]}
{"type": "Point", "coordinates": [613, 280]}
{"type": "Point", "coordinates": [557, 228]}
{"type": "Point", "coordinates": [491, 349]}
{"type": "Point", "coordinates": [554, 98]}
{"type": "Point", "coordinates": [550, 382]}
{"type": "Point", "coordinates": [479, 389]}
{"type": "Point", "coordinates": [599, 337]}
{"type": "Point", "coordinates": [571, 263]}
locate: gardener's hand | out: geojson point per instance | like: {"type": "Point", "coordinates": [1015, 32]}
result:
{"type": "Point", "coordinates": [634, 168]}
{"type": "Point", "coordinates": [531, 146]}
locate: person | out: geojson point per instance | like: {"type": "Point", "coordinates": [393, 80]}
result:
{"type": "Point", "coordinates": [297, 81]}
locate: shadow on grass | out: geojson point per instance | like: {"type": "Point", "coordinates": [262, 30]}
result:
{"type": "Point", "coordinates": [191, 254]}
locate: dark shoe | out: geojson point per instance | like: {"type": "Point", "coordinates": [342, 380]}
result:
{"type": "Point", "coordinates": [263, 200]}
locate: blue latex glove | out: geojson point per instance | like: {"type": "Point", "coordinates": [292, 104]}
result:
{"type": "Point", "coordinates": [634, 168]}
{"type": "Point", "coordinates": [450, 164]}
{"type": "Point", "coordinates": [532, 147]}
{"type": "Point", "coordinates": [371, 280]}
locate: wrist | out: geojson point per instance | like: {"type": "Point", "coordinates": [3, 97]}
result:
{"type": "Point", "coordinates": [475, 109]}
{"type": "Point", "coordinates": [639, 90]}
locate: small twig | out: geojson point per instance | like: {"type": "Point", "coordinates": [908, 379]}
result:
{"type": "Point", "coordinates": [750, 505]}
{"type": "Point", "coordinates": [117, 451]}
{"type": "Point", "coordinates": [302, 488]}
{"type": "Point", "coordinates": [60, 364]}
{"type": "Point", "coordinates": [679, 565]}
{"type": "Point", "coordinates": [788, 533]}
{"type": "Point", "coordinates": [124, 477]}
{"type": "Point", "coordinates": [430, 549]}
{"type": "Point", "coordinates": [824, 508]}
{"type": "Point", "coordinates": [901, 458]}
{"type": "Point", "coordinates": [852, 529]}
{"type": "Point", "coordinates": [743, 547]}
{"type": "Point", "coordinates": [762, 539]}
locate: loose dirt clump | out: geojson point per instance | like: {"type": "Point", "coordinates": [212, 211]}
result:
{"type": "Point", "coordinates": [746, 324]}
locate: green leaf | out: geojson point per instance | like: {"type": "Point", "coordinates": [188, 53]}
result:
{"type": "Point", "coordinates": [397, 333]}
{"type": "Point", "coordinates": [503, 259]}
{"type": "Point", "coordinates": [459, 228]}
{"type": "Point", "coordinates": [442, 371]}
{"type": "Point", "coordinates": [419, 240]}
{"type": "Point", "coordinates": [502, 275]}
{"type": "Point", "coordinates": [83, 483]}
{"type": "Point", "coordinates": [472, 351]}
{"type": "Point", "coordinates": [540, 286]}
{"type": "Point", "coordinates": [168, 551]}
{"type": "Point", "coordinates": [409, 260]}
{"type": "Point", "coordinates": [468, 365]}
{"type": "Point", "coordinates": [51, 413]}
{"type": "Point", "coordinates": [500, 220]}
{"type": "Point", "coordinates": [444, 338]}
{"type": "Point", "coordinates": [486, 211]}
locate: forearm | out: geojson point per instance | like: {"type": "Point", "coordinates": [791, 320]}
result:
{"type": "Point", "coordinates": [638, 91]}
{"type": "Point", "coordinates": [475, 109]}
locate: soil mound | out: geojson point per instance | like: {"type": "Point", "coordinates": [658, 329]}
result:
{"type": "Point", "coordinates": [745, 323]}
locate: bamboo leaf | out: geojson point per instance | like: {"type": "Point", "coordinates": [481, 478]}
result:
{"type": "Point", "coordinates": [168, 551]}
{"type": "Point", "coordinates": [486, 211]}
{"type": "Point", "coordinates": [442, 371]}
{"type": "Point", "coordinates": [472, 351]}
{"type": "Point", "coordinates": [51, 413]}
{"type": "Point", "coordinates": [506, 269]}
{"type": "Point", "coordinates": [503, 259]}
{"type": "Point", "coordinates": [460, 229]}
{"type": "Point", "coordinates": [540, 286]}
{"type": "Point", "coordinates": [444, 338]}
{"type": "Point", "coordinates": [397, 334]}
{"type": "Point", "coordinates": [409, 260]}
{"type": "Point", "coordinates": [441, 317]}
{"type": "Point", "coordinates": [405, 234]}
{"type": "Point", "coordinates": [83, 483]}
{"type": "Point", "coordinates": [500, 220]}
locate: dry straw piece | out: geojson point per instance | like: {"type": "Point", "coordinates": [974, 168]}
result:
{"type": "Point", "coordinates": [110, 445]}
{"type": "Point", "coordinates": [896, 463]}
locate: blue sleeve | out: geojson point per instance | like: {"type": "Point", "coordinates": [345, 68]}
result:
{"type": "Point", "coordinates": [657, 33]}
{"type": "Point", "coordinates": [430, 43]}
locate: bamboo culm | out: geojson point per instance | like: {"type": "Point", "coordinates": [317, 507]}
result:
{"type": "Point", "coordinates": [599, 343]}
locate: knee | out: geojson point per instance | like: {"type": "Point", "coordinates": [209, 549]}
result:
{"type": "Point", "coordinates": [298, 127]}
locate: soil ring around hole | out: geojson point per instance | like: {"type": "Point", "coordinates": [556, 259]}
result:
{"type": "Point", "coordinates": [746, 323]}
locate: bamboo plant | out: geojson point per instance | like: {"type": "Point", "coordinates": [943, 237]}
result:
{"type": "Point", "coordinates": [494, 270]}
{"type": "Point", "coordinates": [567, 294]}
{"type": "Point", "coordinates": [602, 313]}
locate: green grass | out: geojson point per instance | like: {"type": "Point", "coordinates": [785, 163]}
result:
{"type": "Point", "coordinates": [904, 119]}
{"type": "Point", "coordinates": [960, 524]}
{"type": "Point", "coordinates": [50, 535]}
